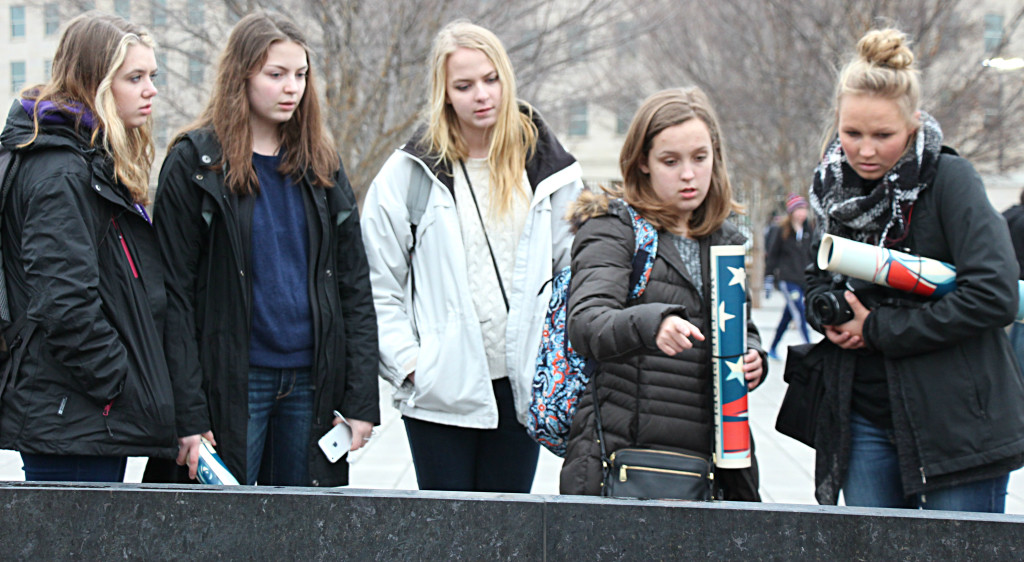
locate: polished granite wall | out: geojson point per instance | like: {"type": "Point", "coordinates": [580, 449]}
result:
{"type": "Point", "coordinates": [55, 521]}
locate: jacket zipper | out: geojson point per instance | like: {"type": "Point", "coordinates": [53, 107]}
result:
{"type": "Point", "coordinates": [106, 417]}
{"type": "Point", "coordinates": [623, 477]}
{"type": "Point", "coordinates": [124, 246]}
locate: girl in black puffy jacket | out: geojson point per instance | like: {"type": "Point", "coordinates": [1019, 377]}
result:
{"type": "Point", "coordinates": [655, 376]}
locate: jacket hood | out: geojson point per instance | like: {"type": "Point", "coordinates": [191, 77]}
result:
{"type": "Point", "coordinates": [549, 158]}
{"type": "Point", "coordinates": [56, 128]}
{"type": "Point", "coordinates": [588, 205]}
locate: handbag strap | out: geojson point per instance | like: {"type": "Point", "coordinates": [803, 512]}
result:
{"type": "Point", "coordinates": [487, 239]}
{"type": "Point", "coordinates": [606, 463]}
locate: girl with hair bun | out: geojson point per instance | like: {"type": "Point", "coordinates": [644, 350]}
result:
{"type": "Point", "coordinates": [924, 403]}
{"type": "Point", "coordinates": [84, 279]}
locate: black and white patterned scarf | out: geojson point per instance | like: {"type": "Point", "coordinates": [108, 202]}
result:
{"type": "Point", "coordinates": [877, 215]}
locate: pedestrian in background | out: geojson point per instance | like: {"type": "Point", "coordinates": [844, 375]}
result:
{"type": "Point", "coordinates": [655, 376]}
{"type": "Point", "coordinates": [461, 290]}
{"type": "Point", "coordinates": [1015, 221]}
{"type": "Point", "coordinates": [269, 300]}
{"type": "Point", "coordinates": [83, 268]}
{"type": "Point", "coordinates": [789, 254]}
{"type": "Point", "coordinates": [924, 403]}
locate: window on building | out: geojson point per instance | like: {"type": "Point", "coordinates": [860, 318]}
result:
{"type": "Point", "coordinates": [17, 21]}
{"type": "Point", "coordinates": [623, 117]}
{"type": "Point", "coordinates": [578, 121]}
{"type": "Point", "coordinates": [123, 8]}
{"type": "Point", "coordinates": [160, 80]}
{"type": "Point", "coordinates": [577, 41]}
{"type": "Point", "coordinates": [195, 67]}
{"type": "Point", "coordinates": [993, 32]}
{"type": "Point", "coordinates": [17, 75]}
{"type": "Point", "coordinates": [195, 12]}
{"type": "Point", "coordinates": [47, 70]}
{"type": "Point", "coordinates": [159, 8]}
{"type": "Point", "coordinates": [51, 18]}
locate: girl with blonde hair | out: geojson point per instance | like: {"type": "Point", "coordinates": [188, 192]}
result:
{"type": "Point", "coordinates": [464, 228]}
{"type": "Point", "coordinates": [924, 403]}
{"type": "Point", "coordinates": [85, 283]}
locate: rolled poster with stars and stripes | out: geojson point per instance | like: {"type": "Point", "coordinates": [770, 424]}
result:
{"type": "Point", "coordinates": [728, 345]}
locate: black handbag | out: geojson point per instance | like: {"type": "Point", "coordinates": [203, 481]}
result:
{"type": "Point", "coordinates": [652, 474]}
{"type": "Point", "coordinates": [798, 414]}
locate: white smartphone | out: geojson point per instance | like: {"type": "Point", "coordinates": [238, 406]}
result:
{"type": "Point", "coordinates": [336, 442]}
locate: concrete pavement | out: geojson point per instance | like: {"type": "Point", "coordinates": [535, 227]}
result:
{"type": "Point", "coordinates": [787, 467]}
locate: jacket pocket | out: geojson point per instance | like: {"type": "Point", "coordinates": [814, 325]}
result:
{"type": "Point", "coordinates": [451, 372]}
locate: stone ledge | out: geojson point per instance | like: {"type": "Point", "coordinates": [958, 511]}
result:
{"type": "Point", "coordinates": [90, 521]}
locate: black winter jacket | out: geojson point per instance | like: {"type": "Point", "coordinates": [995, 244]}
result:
{"type": "Point", "coordinates": [787, 257]}
{"type": "Point", "coordinates": [83, 264]}
{"type": "Point", "coordinates": [648, 398]}
{"type": "Point", "coordinates": [204, 232]}
{"type": "Point", "coordinates": [956, 392]}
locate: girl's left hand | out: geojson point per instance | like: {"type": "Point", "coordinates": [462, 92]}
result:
{"type": "Point", "coordinates": [361, 432]}
{"type": "Point", "coordinates": [752, 368]}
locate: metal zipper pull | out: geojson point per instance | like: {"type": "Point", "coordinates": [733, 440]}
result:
{"type": "Point", "coordinates": [622, 473]}
{"type": "Point", "coordinates": [923, 479]}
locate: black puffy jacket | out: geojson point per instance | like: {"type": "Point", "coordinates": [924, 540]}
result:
{"type": "Point", "coordinates": [956, 392]}
{"type": "Point", "coordinates": [648, 398]}
{"type": "Point", "coordinates": [83, 263]}
{"type": "Point", "coordinates": [204, 233]}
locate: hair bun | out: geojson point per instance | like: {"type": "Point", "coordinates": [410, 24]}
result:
{"type": "Point", "coordinates": [886, 47]}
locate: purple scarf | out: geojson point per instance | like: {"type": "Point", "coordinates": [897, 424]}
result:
{"type": "Point", "coordinates": [50, 112]}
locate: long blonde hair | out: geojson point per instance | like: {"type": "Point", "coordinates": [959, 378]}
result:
{"type": "Point", "coordinates": [660, 111]}
{"type": "Point", "coordinates": [90, 52]}
{"type": "Point", "coordinates": [514, 136]}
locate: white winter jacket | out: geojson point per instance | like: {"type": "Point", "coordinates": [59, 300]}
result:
{"type": "Point", "coordinates": [441, 338]}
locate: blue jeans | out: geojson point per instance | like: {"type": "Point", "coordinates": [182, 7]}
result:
{"type": "Point", "coordinates": [1017, 341]}
{"type": "Point", "coordinates": [464, 459]}
{"type": "Point", "coordinates": [280, 419]}
{"type": "Point", "coordinates": [873, 478]}
{"type": "Point", "coordinates": [794, 310]}
{"type": "Point", "coordinates": [73, 468]}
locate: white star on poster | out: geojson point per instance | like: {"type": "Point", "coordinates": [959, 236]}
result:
{"type": "Point", "coordinates": [739, 276]}
{"type": "Point", "coordinates": [735, 371]}
{"type": "Point", "coordinates": [723, 316]}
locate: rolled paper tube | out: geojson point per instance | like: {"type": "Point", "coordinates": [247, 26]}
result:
{"type": "Point", "coordinates": [729, 344]}
{"type": "Point", "coordinates": [892, 268]}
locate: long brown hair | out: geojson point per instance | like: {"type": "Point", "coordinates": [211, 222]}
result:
{"type": "Point", "coordinates": [307, 148]}
{"type": "Point", "coordinates": [662, 110]}
{"type": "Point", "coordinates": [90, 52]}
{"type": "Point", "coordinates": [514, 136]}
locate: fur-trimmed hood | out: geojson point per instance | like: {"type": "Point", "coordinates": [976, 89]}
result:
{"type": "Point", "coordinates": [588, 205]}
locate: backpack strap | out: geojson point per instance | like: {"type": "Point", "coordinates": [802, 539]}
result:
{"type": "Point", "coordinates": [416, 202]}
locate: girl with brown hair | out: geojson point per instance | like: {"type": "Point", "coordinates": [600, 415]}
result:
{"type": "Point", "coordinates": [270, 307]}
{"type": "Point", "coordinates": [654, 386]}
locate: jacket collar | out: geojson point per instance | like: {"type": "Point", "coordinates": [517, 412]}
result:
{"type": "Point", "coordinates": [548, 160]}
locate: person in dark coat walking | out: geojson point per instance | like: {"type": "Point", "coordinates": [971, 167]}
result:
{"type": "Point", "coordinates": [655, 370]}
{"type": "Point", "coordinates": [268, 285]}
{"type": "Point", "coordinates": [789, 254]}
{"type": "Point", "coordinates": [84, 277]}
{"type": "Point", "coordinates": [1015, 221]}
{"type": "Point", "coordinates": [924, 403]}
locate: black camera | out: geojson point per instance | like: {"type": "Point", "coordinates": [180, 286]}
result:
{"type": "Point", "coordinates": [830, 308]}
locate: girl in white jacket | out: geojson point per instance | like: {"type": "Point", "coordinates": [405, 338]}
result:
{"type": "Point", "coordinates": [464, 228]}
